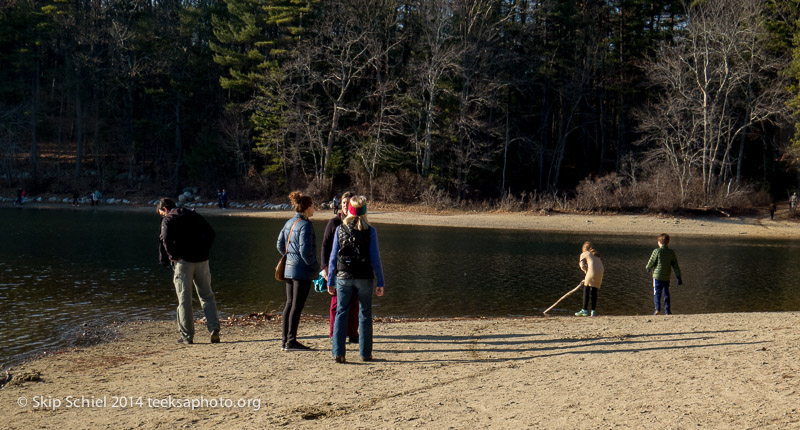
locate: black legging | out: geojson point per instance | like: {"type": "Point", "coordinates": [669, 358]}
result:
{"type": "Point", "coordinates": [296, 294]}
{"type": "Point", "coordinates": [586, 290]}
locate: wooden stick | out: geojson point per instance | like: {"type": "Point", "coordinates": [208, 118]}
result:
{"type": "Point", "coordinates": [563, 297]}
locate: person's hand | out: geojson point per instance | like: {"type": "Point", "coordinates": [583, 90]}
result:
{"type": "Point", "coordinates": [331, 290]}
{"type": "Point", "coordinates": [325, 274]}
{"type": "Point", "coordinates": [379, 291]}
{"type": "Point", "coordinates": [680, 281]}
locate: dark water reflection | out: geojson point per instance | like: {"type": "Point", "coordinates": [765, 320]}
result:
{"type": "Point", "coordinates": [61, 269]}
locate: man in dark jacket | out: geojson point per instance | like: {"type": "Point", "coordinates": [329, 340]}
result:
{"type": "Point", "coordinates": [185, 242]}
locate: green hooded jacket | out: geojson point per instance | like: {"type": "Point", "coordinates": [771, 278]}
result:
{"type": "Point", "coordinates": [662, 261]}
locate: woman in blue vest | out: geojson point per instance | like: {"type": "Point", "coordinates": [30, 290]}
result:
{"type": "Point", "coordinates": [354, 262]}
{"type": "Point", "coordinates": [298, 242]}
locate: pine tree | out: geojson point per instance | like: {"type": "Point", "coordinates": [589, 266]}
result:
{"type": "Point", "coordinates": [254, 38]}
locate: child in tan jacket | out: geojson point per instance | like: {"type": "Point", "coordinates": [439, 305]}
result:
{"type": "Point", "coordinates": [592, 266]}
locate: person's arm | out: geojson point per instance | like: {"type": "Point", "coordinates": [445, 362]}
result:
{"type": "Point", "coordinates": [582, 263]}
{"type": "Point", "coordinates": [375, 257]}
{"type": "Point", "coordinates": [168, 248]}
{"type": "Point", "coordinates": [163, 255]}
{"type": "Point", "coordinates": [332, 263]}
{"type": "Point", "coordinates": [327, 247]}
{"type": "Point", "coordinates": [281, 242]}
{"type": "Point", "coordinates": [651, 264]}
{"type": "Point", "coordinates": [676, 268]}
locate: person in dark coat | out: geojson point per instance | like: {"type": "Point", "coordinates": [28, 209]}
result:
{"type": "Point", "coordinates": [325, 254]}
{"type": "Point", "coordinates": [185, 243]}
{"type": "Point", "coordinates": [298, 242]}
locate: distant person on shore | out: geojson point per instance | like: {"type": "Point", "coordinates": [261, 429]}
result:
{"type": "Point", "coordinates": [96, 197]}
{"type": "Point", "coordinates": [793, 202]}
{"type": "Point", "coordinates": [219, 198]}
{"type": "Point", "coordinates": [18, 201]}
{"type": "Point", "coordinates": [325, 254]}
{"type": "Point", "coordinates": [772, 209]}
{"type": "Point", "coordinates": [297, 240]}
{"type": "Point", "coordinates": [224, 198]}
{"type": "Point", "coordinates": [185, 243]}
{"type": "Point", "coordinates": [589, 261]}
{"type": "Point", "coordinates": [661, 263]}
{"type": "Point", "coordinates": [336, 205]}
{"type": "Point", "coordinates": [75, 196]}
{"type": "Point", "coordinates": [355, 261]}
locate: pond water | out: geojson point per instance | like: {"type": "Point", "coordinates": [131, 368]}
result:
{"type": "Point", "coordinates": [61, 270]}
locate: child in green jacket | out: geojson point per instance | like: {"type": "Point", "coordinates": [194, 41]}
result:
{"type": "Point", "coordinates": [661, 263]}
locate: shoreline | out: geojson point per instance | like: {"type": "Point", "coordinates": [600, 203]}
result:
{"type": "Point", "coordinates": [735, 370]}
{"type": "Point", "coordinates": [756, 226]}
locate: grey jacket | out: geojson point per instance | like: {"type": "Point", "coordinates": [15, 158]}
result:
{"type": "Point", "coordinates": [301, 258]}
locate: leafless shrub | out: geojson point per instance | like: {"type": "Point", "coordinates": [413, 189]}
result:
{"type": "Point", "coordinates": [319, 189]}
{"type": "Point", "coordinates": [436, 198]}
{"type": "Point", "coordinates": [605, 193]}
{"type": "Point", "coordinates": [509, 203]}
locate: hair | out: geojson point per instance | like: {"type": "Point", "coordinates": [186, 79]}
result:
{"type": "Point", "coordinates": [165, 203]}
{"type": "Point", "coordinates": [663, 239]}
{"type": "Point", "coordinates": [301, 202]}
{"type": "Point", "coordinates": [345, 199]}
{"type": "Point", "coordinates": [359, 221]}
{"type": "Point", "coordinates": [587, 246]}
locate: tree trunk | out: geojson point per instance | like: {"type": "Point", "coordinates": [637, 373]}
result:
{"type": "Point", "coordinates": [331, 136]}
{"type": "Point", "coordinates": [426, 160]}
{"type": "Point", "coordinates": [34, 153]}
{"type": "Point", "coordinates": [78, 126]}
{"type": "Point", "coordinates": [178, 142]}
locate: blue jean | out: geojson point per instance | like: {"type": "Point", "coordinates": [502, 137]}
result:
{"type": "Point", "coordinates": [185, 276]}
{"type": "Point", "coordinates": [345, 289]}
{"type": "Point", "coordinates": [660, 287]}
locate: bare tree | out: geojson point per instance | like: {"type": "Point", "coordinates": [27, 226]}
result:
{"type": "Point", "coordinates": [385, 117]}
{"type": "Point", "coordinates": [439, 59]}
{"type": "Point", "coordinates": [718, 81]}
{"type": "Point", "coordinates": [341, 60]}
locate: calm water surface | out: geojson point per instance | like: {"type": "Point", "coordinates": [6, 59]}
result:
{"type": "Point", "coordinates": [62, 270]}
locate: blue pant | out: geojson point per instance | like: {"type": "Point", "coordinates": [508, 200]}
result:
{"type": "Point", "coordinates": [660, 287]}
{"type": "Point", "coordinates": [345, 289]}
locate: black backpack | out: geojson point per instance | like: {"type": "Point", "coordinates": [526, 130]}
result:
{"type": "Point", "coordinates": [353, 260]}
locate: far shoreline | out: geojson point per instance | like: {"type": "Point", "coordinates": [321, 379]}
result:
{"type": "Point", "coordinates": [757, 226]}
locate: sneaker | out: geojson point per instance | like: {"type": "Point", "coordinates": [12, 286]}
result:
{"type": "Point", "coordinates": [215, 336]}
{"type": "Point", "coordinates": [340, 360]}
{"type": "Point", "coordinates": [582, 313]}
{"type": "Point", "coordinates": [667, 313]}
{"type": "Point", "coordinates": [594, 313]}
{"type": "Point", "coordinates": [656, 312]}
{"type": "Point", "coordinates": [184, 341]}
{"type": "Point", "coordinates": [367, 358]}
{"type": "Point", "coordinates": [294, 345]}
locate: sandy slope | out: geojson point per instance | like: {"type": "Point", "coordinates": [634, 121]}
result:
{"type": "Point", "coordinates": [681, 371]}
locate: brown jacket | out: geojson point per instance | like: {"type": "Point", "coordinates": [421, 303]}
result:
{"type": "Point", "coordinates": [593, 268]}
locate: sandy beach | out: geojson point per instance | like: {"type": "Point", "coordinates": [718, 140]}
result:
{"type": "Point", "coordinates": [679, 371]}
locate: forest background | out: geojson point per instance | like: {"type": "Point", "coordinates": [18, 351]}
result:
{"type": "Point", "coordinates": [514, 104]}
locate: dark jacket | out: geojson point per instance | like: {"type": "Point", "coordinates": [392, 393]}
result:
{"type": "Point", "coordinates": [185, 235]}
{"type": "Point", "coordinates": [301, 255]}
{"type": "Point", "coordinates": [661, 262]}
{"type": "Point", "coordinates": [327, 240]}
